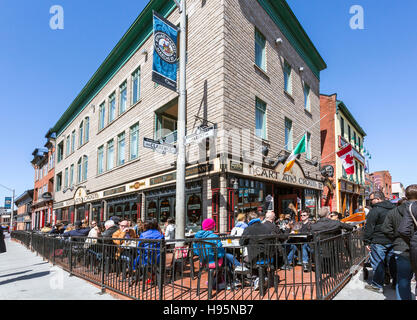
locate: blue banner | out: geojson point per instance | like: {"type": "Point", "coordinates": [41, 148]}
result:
{"type": "Point", "coordinates": [164, 69]}
{"type": "Point", "coordinates": [8, 202]}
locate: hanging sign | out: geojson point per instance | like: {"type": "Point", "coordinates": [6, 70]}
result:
{"type": "Point", "coordinates": [159, 146]}
{"type": "Point", "coordinates": [164, 69]}
{"type": "Point", "coordinates": [8, 202]}
{"type": "Point", "coordinates": [200, 134]}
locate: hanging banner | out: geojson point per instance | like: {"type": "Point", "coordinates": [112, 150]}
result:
{"type": "Point", "coordinates": [164, 70]}
{"type": "Point", "coordinates": [8, 202]}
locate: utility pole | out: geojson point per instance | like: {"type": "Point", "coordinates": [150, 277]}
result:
{"type": "Point", "coordinates": [181, 148]}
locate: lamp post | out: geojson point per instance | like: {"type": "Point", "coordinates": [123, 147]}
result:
{"type": "Point", "coordinates": [12, 206]}
{"type": "Point", "coordinates": [181, 148]}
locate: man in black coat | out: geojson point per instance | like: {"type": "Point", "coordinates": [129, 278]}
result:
{"type": "Point", "coordinates": [2, 243]}
{"type": "Point", "coordinates": [328, 227]}
{"type": "Point", "coordinates": [377, 242]}
{"type": "Point", "coordinates": [406, 231]}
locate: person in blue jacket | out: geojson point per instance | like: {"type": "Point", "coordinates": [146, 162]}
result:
{"type": "Point", "coordinates": [77, 232]}
{"type": "Point", "coordinates": [149, 251]}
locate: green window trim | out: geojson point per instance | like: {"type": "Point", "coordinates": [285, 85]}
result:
{"type": "Point", "coordinates": [260, 119]}
{"type": "Point", "coordinates": [260, 50]}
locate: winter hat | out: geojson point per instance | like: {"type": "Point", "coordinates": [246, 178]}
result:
{"type": "Point", "coordinates": [208, 224]}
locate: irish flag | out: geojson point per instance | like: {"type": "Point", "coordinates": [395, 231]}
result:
{"type": "Point", "coordinates": [299, 149]}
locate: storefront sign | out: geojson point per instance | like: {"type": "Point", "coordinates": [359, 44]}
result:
{"type": "Point", "coordinates": [200, 169]}
{"type": "Point", "coordinates": [236, 166]}
{"type": "Point", "coordinates": [349, 187]}
{"type": "Point", "coordinates": [81, 196]}
{"type": "Point", "coordinates": [114, 191]}
{"type": "Point", "coordinates": [137, 185]}
{"type": "Point", "coordinates": [194, 207]}
{"type": "Point", "coordinates": [295, 177]}
{"type": "Point", "coordinates": [159, 146]}
{"type": "Point", "coordinates": [47, 196]}
{"type": "Point", "coordinates": [200, 134]}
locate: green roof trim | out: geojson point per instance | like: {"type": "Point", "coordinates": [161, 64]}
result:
{"type": "Point", "coordinates": [131, 41]}
{"type": "Point", "coordinates": [281, 13]}
{"type": "Point", "coordinates": [342, 107]}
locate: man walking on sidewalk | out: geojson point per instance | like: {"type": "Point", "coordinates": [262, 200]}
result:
{"type": "Point", "coordinates": [376, 242]}
{"type": "Point", "coordinates": [401, 248]}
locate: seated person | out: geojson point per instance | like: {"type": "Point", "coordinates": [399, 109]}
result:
{"type": "Point", "coordinates": [125, 233]}
{"type": "Point", "coordinates": [78, 231]}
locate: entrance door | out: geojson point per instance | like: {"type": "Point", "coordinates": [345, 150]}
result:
{"type": "Point", "coordinates": [284, 201]}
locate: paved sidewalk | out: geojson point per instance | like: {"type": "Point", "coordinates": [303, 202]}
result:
{"type": "Point", "coordinates": [25, 276]}
{"type": "Point", "coordinates": [355, 290]}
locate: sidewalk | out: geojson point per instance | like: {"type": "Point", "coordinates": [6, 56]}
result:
{"type": "Point", "coordinates": [25, 276]}
{"type": "Point", "coordinates": [355, 290]}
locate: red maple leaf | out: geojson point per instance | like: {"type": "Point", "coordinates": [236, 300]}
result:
{"type": "Point", "coordinates": [349, 159]}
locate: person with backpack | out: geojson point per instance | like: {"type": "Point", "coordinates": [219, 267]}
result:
{"type": "Point", "coordinates": [401, 248]}
{"type": "Point", "coordinates": [377, 242]}
{"type": "Point", "coordinates": [408, 231]}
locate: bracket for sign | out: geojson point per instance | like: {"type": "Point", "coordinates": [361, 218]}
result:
{"type": "Point", "coordinates": [205, 120]}
{"type": "Point", "coordinates": [178, 5]}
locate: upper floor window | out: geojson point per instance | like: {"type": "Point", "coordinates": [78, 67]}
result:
{"type": "Point", "coordinates": [67, 145]}
{"type": "Point", "coordinates": [112, 107]}
{"type": "Point", "coordinates": [260, 119]}
{"type": "Point", "coordinates": [354, 138]}
{"type": "Point", "coordinates": [136, 86]}
{"type": "Point", "coordinates": [73, 139]}
{"type": "Point", "coordinates": [86, 129]}
{"type": "Point", "coordinates": [60, 151]}
{"type": "Point", "coordinates": [308, 145]}
{"type": "Point", "coordinates": [100, 160]}
{"type": "Point", "coordinates": [66, 178]}
{"type": "Point", "coordinates": [287, 78]}
{"type": "Point", "coordinates": [121, 149]}
{"type": "Point", "coordinates": [123, 98]}
{"type": "Point", "coordinates": [288, 134]}
{"type": "Point", "coordinates": [71, 179]}
{"type": "Point", "coordinates": [134, 141]}
{"type": "Point", "coordinates": [342, 127]}
{"type": "Point", "coordinates": [166, 123]}
{"type": "Point", "coordinates": [85, 168]}
{"type": "Point", "coordinates": [81, 134]}
{"type": "Point", "coordinates": [79, 170]}
{"type": "Point", "coordinates": [110, 154]}
{"type": "Point", "coordinates": [349, 134]}
{"type": "Point", "coordinates": [307, 97]}
{"type": "Point", "coordinates": [58, 182]}
{"type": "Point", "coordinates": [102, 116]}
{"type": "Point", "coordinates": [260, 56]}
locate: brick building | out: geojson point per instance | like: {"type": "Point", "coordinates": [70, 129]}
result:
{"type": "Point", "coordinates": [43, 162]}
{"type": "Point", "coordinates": [382, 180]}
{"type": "Point", "coordinates": [251, 70]}
{"type": "Point", "coordinates": [342, 192]}
{"type": "Point", "coordinates": [24, 210]}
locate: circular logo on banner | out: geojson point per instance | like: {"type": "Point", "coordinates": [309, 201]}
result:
{"type": "Point", "coordinates": [165, 47]}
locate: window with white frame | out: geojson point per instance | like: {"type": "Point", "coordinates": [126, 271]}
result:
{"type": "Point", "coordinates": [112, 107]}
{"type": "Point", "coordinates": [102, 116]}
{"type": "Point", "coordinates": [308, 145]}
{"type": "Point", "coordinates": [85, 168]}
{"type": "Point", "coordinates": [81, 134]}
{"type": "Point", "coordinates": [134, 141]}
{"type": "Point", "coordinates": [79, 170]}
{"type": "Point", "coordinates": [260, 119]}
{"type": "Point", "coordinates": [100, 160]}
{"type": "Point", "coordinates": [136, 86]}
{"type": "Point", "coordinates": [260, 56]}
{"type": "Point", "coordinates": [71, 179]}
{"type": "Point", "coordinates": [110, 155]}
{"type": "Point", "coordinates": [66, 178]}
{"type": "Point", "coordinates": [73, 139]}
{"type": "Point", "coordinates": [121, 149]}
{"type": "Point", "coordinates": [123, 98]}
{"type": "Point", "coordinates": [86, 129]}
{"type": "Point", "coordinates": [307, 97]}
{"type": "Point", "coordinates": [287, 78]}
{"type": "Point", "coordinates": [288, 135]}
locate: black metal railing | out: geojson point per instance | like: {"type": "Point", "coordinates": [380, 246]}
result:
{"type": "Point", "coordinates": [207, 269]}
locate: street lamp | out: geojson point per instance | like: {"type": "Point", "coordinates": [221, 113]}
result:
{"type": "Point", "coordinates": [12, 206]}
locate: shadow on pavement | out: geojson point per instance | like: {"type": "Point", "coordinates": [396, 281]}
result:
{"type": "Point", "coordinates": [14, 274]}
{"type": "Point", "coordinates": [28, 277]}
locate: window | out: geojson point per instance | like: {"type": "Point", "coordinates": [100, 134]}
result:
{"type": "Point", "coordinates": [136, 86]}
{"type": "Point", "coordinates": [359, 143]}
{"type": "Point", "coordinates": [110, 154]}
{"type": "Point", "coordinates": [112, 107]}
{"type": "Point", "coordinates": [134, 141]}
{"type": "Point", "coordinates": [121, 149]}
{"type": "Point", "coordinates": [306, 97]}
{"type": "Point", "coordinates": [260, 50]}
{"type": "Point", "coordinates": [71, 179]}
{"type": "Point", "coordinates": [342, 127]}
{"type": "Point", "coordinates": [166, 122]}
{"type": "Point", "coordinates": [288, 134]}
{"type": "Point", "coordinates": [287, 78]}
{"type": "Point", "coordinates": [53, 159]}
{"type": "Point", "coordinates": [87, 129]}
{"type": "Point", "coordinates": [308, 146]}
{"type": "Point", "coordinates": [60, 151]}
{"type": "Point", "coordinates": [81, 134]}
{"type": "Point", "coordinates": [68, 144]}
{"type": "Point", "coordinates": [354, 138]}
{"type": "Point", "coordinates": [73, 141]}
{"type": "Point", "coordinates": [85, 168]}
{"type": "Point", "coordinates": [102, 116]}
{"type": "Point", "coordinates": [349, 134]}
{"type": "Point", "coordinates": [66, 178]}
{"type": "Point", "coordinates": [58, 181]}
{"type": "Point", "coordinates": [123, 98]}
{"type": "Point", "coordinates": [79, 170]}
{"type": "Point", "coordinates": [260, 119]}
{"type": "Point", "coordinates": [100, 157]}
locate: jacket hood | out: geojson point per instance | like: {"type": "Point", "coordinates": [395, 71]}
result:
{"type": "Point", "coordinates": [404, 208]}
{"type": "Point", "coordinates": [241, 224]}
{"type": "Point", "coordinates": [203, 234]}
{"type": "Point", "coordinates": [152, 234]}
{"type": "Point", "coordinates": [385, 204]}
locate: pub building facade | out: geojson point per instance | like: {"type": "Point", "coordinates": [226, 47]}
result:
{"type": "Point", "coordinates": [44, 164]}
{"type": "Point", "coordinates": [342, 193]}
{"type": "Point", "coordinates": [252, 72]}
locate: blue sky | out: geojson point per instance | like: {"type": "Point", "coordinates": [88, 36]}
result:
{"type": "Point", "coordinates": [43, 70]}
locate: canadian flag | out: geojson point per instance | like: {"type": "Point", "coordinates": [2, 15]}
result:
{"type": "Point", "coordinates": [346, 155]}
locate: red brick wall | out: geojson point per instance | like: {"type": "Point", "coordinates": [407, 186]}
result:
{"type": "Point", "coordinates": [327, 131]}
{"type": "Point", "coordinates": [384, 181]}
